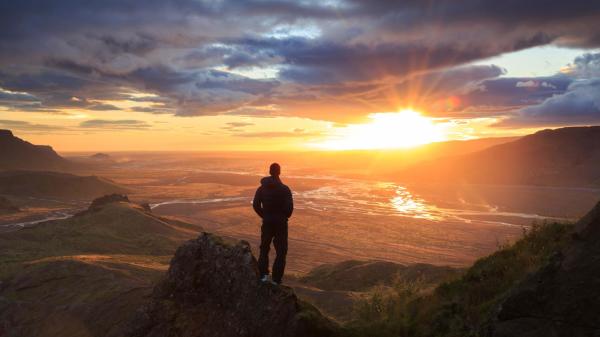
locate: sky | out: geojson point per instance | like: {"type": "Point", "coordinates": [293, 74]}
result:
{"type": "Point", "coordinates": [193, 75]}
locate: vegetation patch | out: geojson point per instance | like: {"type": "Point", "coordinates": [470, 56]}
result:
{"type": "Point", "coordinates": [461, 307]}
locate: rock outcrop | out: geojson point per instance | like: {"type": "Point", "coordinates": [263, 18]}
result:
{"type": "Point", "coordinates": [212, 289]}
{"type": "Point", "coordinates": [563, 298]}
{"type": "Point", "coordinates": [98, 203]}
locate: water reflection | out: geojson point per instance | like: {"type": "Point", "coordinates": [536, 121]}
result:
{"type": "Point", "coordinates": [408, 205]}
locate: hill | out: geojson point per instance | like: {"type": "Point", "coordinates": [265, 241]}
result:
{"type": "Point", "coordinates": [336, 289]}
{"type": "Point", "coordinates": [100, 156]}
{"type": "Point", "coordinates": [55, 184]}
{"type": "Point", "coordinates": [356, 275]}
{"type": "Point", "coordinates": [17, 154]}
{"type": "Point", "coordinates": [86, 275]}
{"type": "Point", "coordinates": [566, 156]}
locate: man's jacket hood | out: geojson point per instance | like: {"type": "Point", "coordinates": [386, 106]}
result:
{"type": "Point", "coordinates": [270, 181]}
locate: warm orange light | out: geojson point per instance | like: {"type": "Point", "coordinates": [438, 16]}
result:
{"type": "Point", "coordinates": [403, 129]}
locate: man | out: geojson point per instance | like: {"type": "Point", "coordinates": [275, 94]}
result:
{"type": "Point", "coordinates": [273, 203]}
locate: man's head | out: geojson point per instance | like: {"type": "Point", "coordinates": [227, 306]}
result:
{"type": "Point", "coordinates": [275, 170]}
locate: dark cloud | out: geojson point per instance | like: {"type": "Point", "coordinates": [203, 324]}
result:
{"type": "Point", "coordinates": [102, 107]}
{"type": "Point", "coordinates": [345, 54]}
{"type": "Point", "coordinates": [579, 105]}
{"type": "Point", "coordinates": [157, 109]}
{"type": "Point", "coordinates": [7, 96]}
{"type": "Point", "coordinates": [585, 66]}
{"type": "Point", "coordinates": [500, 94]}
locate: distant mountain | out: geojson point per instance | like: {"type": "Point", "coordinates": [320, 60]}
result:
{"type": "Point", "coordinates": [55, 184]}
{"type": "Point", "coordinates": [100, 156]}
{"type": "Point", "coordinates": [567, 157]}
{"type": "Point", "coordinates": [17, 154]}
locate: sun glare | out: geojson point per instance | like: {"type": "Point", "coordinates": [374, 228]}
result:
{"type": "Point", "coordinates": [403, 129]}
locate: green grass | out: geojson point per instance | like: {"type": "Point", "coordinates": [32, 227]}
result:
{"type": "Point", "coordinates": [461, 307]}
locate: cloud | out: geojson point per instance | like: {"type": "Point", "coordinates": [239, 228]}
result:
{"type": "Point", "coordinates": [155, 109]}
{"type": "Point", "coordinates": [584, 66]}
{"type": "Point", "coordinates": [278, 134]}
{"type": "Point", "coordinates": [130, 124]}
{"type": "Point", "coordinates": [579, 105]}
{"type": "Point", "coordinates": [205, 58]}
{"type": "Point", "coordinates": [28, 127]}
{"type": "Point", "coordinates": [103, 107]}
{"type": "Point", "coordinates": [239, 124]}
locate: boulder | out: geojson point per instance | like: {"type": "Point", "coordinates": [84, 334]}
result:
{"type": "Point", "coordinates": [212, 289]}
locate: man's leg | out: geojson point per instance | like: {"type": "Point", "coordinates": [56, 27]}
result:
{"type": "Point", "coordinates": [266, 236]}
{"type": "Point", "coordinates": [280, 242]}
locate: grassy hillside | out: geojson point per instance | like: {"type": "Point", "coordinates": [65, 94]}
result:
{"type": "Point", "coordinates": [464, 306]}
{"type": "Point", "coordinates": [85, 275]}
{"type": "Point", "coordinates": [336, 289]}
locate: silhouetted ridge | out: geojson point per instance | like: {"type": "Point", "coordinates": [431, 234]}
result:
{"type": "Point", "coordinates": [6, 133]}
{"type": "Point", "coordinates": [566, 157]}
{"type": "Point", "coordinates": [213, 289]}
{"type": "Point", "coordinates": [16, 153]}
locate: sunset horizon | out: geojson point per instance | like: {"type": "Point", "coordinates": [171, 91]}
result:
{"type": "Point", "coordinates": [299, 168]}
{"type": "Point", "coordinates": [314, 79]}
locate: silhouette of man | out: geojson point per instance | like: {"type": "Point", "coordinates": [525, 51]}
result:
{"type": "Point", "coordinates": [274, 204]}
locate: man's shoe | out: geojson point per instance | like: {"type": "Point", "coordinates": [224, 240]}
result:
{"type": "Point", "coordinates": [265, 278]}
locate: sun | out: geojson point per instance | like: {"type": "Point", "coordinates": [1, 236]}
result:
{"type": "Point", "coordinates": [404, 129]}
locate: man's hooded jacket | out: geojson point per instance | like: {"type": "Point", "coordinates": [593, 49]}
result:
{"type": "Point", "coordinates": [273, 200]}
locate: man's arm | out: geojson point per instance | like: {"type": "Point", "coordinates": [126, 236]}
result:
{"type": "Point", "coordinates": [257, 202]}
{"type": "Point", "coordinates": [289, 203]}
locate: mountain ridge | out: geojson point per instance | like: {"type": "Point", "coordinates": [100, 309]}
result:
{"type": "Point", "coordinates": [559, 157]}
{"type": "Point", "coordinates": [16, 153]}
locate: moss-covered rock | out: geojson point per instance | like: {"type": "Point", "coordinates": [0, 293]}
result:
{"type": "Point", "coordinates": [213, 289]}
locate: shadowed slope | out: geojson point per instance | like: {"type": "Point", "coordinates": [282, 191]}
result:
{"type": "Point", "coordinates": [16, 153]}
{"type": "Point", "coordinates": [562, 298]}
